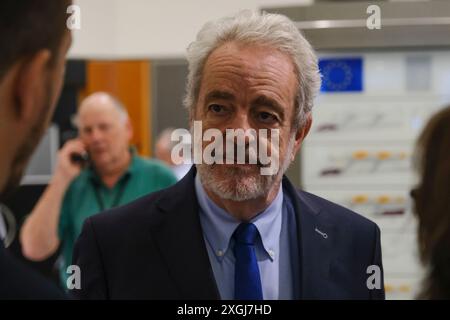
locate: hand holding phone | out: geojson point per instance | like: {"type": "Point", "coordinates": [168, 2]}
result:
{"type": "Point", "coordinates": [72, 158]}
{"type": "Point", "coordinates": [81, 159]}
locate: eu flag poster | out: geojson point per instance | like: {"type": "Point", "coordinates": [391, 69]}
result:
{"type": "Point", "coordinates": [341, 74]}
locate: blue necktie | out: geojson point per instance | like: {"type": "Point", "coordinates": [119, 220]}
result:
{"type": "Point", "coordinates": [247, 282]}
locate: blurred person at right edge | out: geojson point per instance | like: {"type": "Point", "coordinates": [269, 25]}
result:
{"type": "Point", "coordinates": [34, 41]}
{"type": "Point", "coordinates": [432, 205]}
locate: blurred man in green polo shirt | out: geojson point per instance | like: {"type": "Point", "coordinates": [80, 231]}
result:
{"type": "Point", "coordinates": [114, 175]}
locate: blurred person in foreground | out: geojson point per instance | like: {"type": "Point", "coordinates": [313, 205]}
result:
{"type": "Point", "coordinates": [228, 231]}
{"type": "Point", "coordinates": [432, 205]}
{"type": "Point", "coordinates": [163, 152]}
{"type": "Point", "coordinates": [112, 175]}
{"type": "Point", "coordinates": [34, 43]}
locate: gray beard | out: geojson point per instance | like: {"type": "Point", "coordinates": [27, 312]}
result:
{"type": "Point", "coordinates": [240, 185]}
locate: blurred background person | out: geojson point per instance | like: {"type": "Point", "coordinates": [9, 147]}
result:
{"type": "Point", "coordinates": [163, 152]}
{"type": "Point", "coordinates": [432, 205]}
{"type": "Point", "coordinates": [34, 41]}
{"type": "Point", "coordinates": [97, 171]}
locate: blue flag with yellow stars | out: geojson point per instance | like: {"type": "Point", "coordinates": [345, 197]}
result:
{"type": "Point", "coordinates": [341, 74]}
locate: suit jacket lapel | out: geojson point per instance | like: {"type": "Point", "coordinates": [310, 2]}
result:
{"type": "Point", "coordinates": [178, 235]}
{"type": "Point", "coordinates": [315, 236]}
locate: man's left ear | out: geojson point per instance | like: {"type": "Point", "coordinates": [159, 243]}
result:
{"type": "Point", "coordinates": [301, 133]}
{"type": "Point", "coordinates": [31, 85]}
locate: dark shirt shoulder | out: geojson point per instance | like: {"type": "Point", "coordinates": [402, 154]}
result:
{"type": "Point", "coordinates": [19, 282]}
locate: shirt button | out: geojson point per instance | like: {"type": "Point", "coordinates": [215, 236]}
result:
{"type": "Point", "coordinates": [219, 253]}
{"type": "Point", "coordinates": [271, 253]}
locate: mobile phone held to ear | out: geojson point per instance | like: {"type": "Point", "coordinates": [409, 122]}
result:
{"type": "Point", "coordinates": [81, 159]}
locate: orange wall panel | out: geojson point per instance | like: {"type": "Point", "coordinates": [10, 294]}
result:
{"type": "Point", "coordinates": [129, 81]}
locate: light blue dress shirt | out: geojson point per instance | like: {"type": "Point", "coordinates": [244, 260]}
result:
{"type": "Point", "coordinates": [276, 248]}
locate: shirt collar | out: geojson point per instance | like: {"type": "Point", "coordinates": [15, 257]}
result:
{"type": "Point", "coordinates": [218, 225]}
{"type": "Point", "coordinates": [268, 224]}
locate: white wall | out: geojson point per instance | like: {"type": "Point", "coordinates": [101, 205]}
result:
{"type": "Point", "coordinates": [120, 29]}
{"type": "Point", "coordinates": [97, 36]}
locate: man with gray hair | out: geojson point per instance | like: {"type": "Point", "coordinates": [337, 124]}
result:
{"type": "Point", "coordinates": [95, 172]}
{"type": "Point", "coordinates": [226, 231]}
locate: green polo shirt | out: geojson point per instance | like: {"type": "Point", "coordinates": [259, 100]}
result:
{"type": "Point", "coordinates": [87, 195]}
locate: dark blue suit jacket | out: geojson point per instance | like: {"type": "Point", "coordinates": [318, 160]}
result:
{"type": "Point", "coordinates": [153, 248]}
